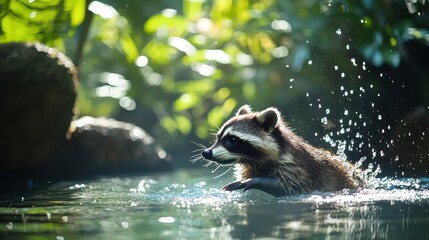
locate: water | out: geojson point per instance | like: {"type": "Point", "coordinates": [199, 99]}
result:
{"type": "Point", "coordinates": [189, 205]}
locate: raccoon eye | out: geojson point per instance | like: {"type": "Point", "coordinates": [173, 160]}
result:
{"type": "Point", "coordinates": [231, 140]}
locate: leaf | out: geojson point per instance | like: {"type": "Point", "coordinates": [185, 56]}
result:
{"type": "Point", "coordinates": [249, 90]}
{"type": "Point", "coordinates": [157, 51]}
{"type": "Point", "coordinates": [215, 116]}
{"type": "Point", "coordinates": [186, 101]}
{"type": "Point", "coordinates": [242, 12]}
{"type": "Point", "coordinates": [129, 47]}
{"type": "Point", "coordinates": [221, 94]}
{"type": "Point", "coordinates": [78, 12]}
{"type": "Point", "coordinates": [219, 113]}
{"type": "Point", "coordinates": [168, 124]}
{"type": "Point", "coordinates": [202, 132]}
{"type": "Point", "coordinates": [47, 22]}
{"type": "Point", "coordinates": [174, 25]}
{"type": "Point", "coordinates": [192, 9]}
{"type": "Point", "coordinates": [200, 87]}
{"type": "Point", "coordinates": [183, 124]}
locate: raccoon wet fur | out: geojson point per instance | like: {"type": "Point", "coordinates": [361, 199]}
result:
{"type": "Point", "coordinates": [270, 157]}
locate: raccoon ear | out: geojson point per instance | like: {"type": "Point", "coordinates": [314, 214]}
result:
{"type": "Point", "coordinates": [245, 109]}
{"type": "Point", "coordinates": [268, 119]}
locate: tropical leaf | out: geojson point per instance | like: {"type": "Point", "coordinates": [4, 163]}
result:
{"type": "Point", "coordinates": [42, 21]}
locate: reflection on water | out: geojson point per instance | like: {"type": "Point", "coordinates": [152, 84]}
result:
{"type": "Point", "coordinates": [189, 205]}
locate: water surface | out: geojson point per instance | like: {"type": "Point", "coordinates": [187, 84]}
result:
{"type": "Point", "coordinates": [190, 205]}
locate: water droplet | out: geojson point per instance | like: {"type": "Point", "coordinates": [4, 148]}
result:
{"type": "Point", "coordinates": [338, 31]}
{"type": "Point", "coordinates": [9, 226]}
{"type": "Point", "coordinates": [346, 112]}
{"type": "Point", "coordinates": [291, 80]}
{"type": "Point", "coordinates": [327, 111]}
{"type": "Point", "coordinates": [125, 224]}
{"type": "Point", "coordinates": [166, 219]}
{"type": "Point", "coordinates": [343, 75]}
{"type": "Point", "coordinates": [379, 117]}
{"type": "Point", "coordinates": [347, 47]}
{"type": "Point", "coordinates": [310, 62]}
{"type": "Point", "coordinates": [336, 67]}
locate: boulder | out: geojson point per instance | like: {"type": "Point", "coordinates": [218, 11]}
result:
{"type": "Point", "coordinates": [101, 146]}
{"type": "Point", "coordinates": [37, 99]}
{"type": "Point", "coordinates": [39, 141]}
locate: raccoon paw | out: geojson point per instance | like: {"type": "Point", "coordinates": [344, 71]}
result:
{"type": "Point", "coordinates": [268, 185]}
{"type": "Point", "coordinates": [244, 184]}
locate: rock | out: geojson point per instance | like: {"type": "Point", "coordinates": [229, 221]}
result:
{"type": "Point", "coordinates": [100, 146]}
{"type": "Point", "coordinates": [37, 98]}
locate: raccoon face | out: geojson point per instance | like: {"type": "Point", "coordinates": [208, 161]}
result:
{"type": "Point", "coordinates": [245, 138]}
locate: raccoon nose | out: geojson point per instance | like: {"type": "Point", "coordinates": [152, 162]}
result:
{"type": "Point", "coordinates": [207, 154]}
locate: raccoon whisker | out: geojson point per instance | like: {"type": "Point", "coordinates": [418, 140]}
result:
{"type": "Point", "coordinates": [208, 163]}
{"type": "Point", "coordinates": [196, 155]}
{"type": "Point", "coordinates": [216, 168]}
{"type": "Point", "coordinates": [217, 127]}
{"type": "Point", "coordinates": [220, 175]}
{"type": "Point", "coordinates": [198, 150]}
{"type": "Point", "coordinates": [199, 145]}
{"type": "Point", "coordinates": [195, 159]}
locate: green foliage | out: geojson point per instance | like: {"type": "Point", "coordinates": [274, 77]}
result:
{"type": "Point", "coordinates": [47, 22]}
{"type": "Point", "coordinates": [221, 53]}
{"type": "Point", "coordinates": [193, 62]}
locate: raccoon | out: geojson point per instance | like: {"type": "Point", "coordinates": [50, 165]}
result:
{"type": "Point", "coordinates": [270, 157]}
